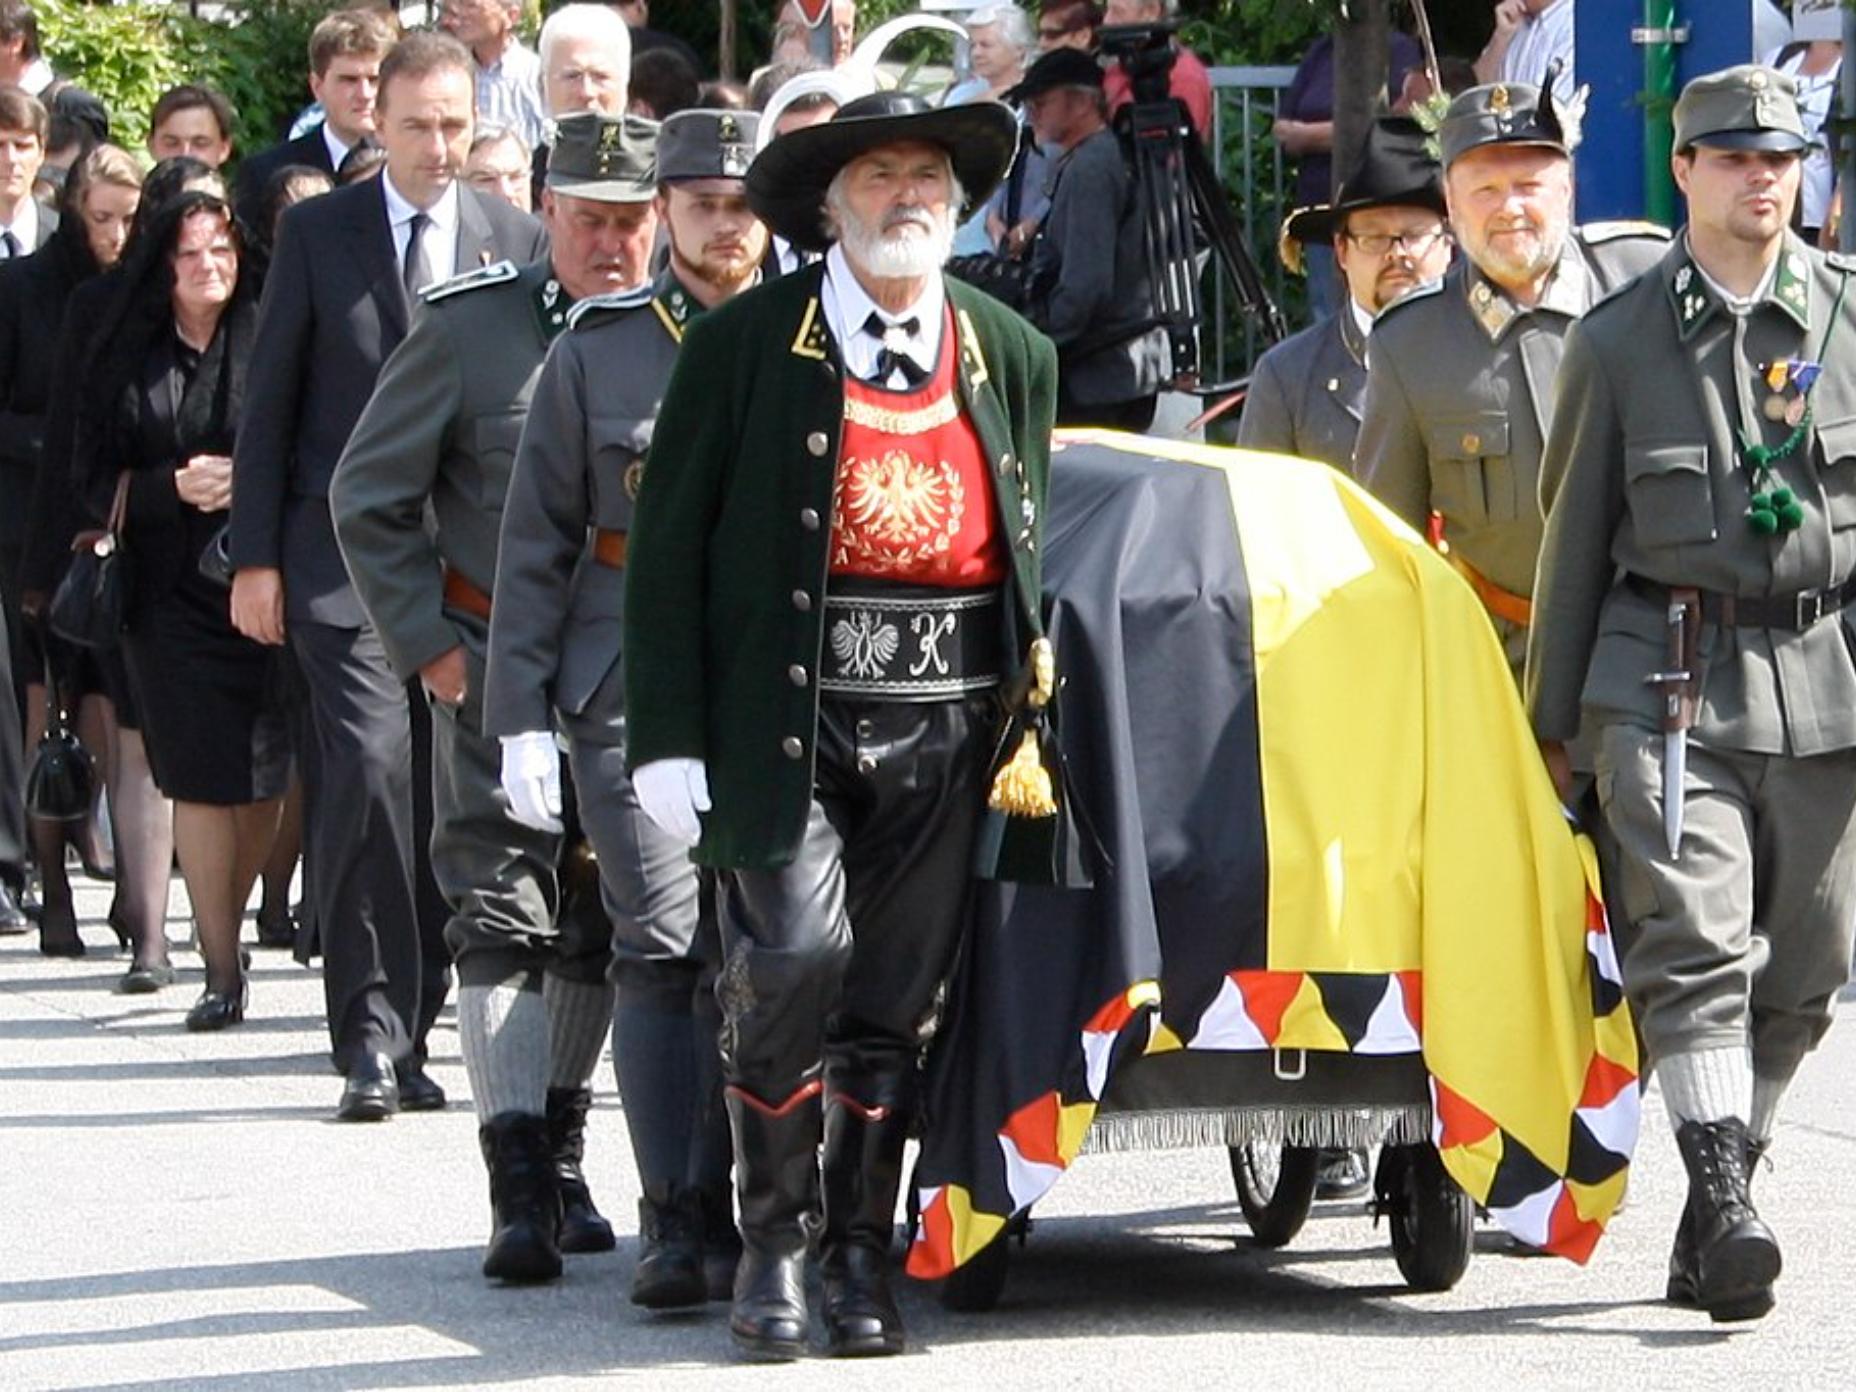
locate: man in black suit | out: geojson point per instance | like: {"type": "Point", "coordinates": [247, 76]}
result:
{"type": "Point", "coordinates": [336, 303]}
{"type": "Point", "coordinates": [25, 224]}
{"type": "Point", "coordinates": [345, 52]}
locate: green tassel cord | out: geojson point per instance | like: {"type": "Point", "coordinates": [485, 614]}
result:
{"type": "Point", "coordinates": [1774, 511]}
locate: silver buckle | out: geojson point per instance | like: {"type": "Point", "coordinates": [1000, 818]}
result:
{"type": "Point", "coordinates": [1808, 607]}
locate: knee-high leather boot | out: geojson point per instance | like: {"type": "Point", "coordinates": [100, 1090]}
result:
{"type": "Point", "coordinates": [866, 1123]}
{"type": "Point", "coordinates": [776, 1165]}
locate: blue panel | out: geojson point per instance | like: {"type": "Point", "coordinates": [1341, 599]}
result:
{"type": "Point", "coordinates": [1609, 167]}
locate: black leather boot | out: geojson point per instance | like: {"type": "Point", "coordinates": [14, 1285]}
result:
{"type": "Point", "coordinates": [1684, 1278]}
{"type": "Point", "coordinates": [1735, 1256]}
{"type": "Point", "coordinates": [582, 1227]}
{"type": "Point", "coordinates": [776, 1169]}
{"type": "Point", "coordinates": [669, 1273]}
{"type": "Point", "coordinates": [864, 1137]}
{"type": "Point", "coordinates": [524, 1207]}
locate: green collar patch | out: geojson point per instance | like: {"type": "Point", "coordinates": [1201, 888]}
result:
{"type": "Point", "coordinates": [553, 308]}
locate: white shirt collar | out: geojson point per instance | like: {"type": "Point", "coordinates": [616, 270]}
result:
{"type": "Point", "coordinates": [1735, 304]}
{"type": "Point", "coordinates": [847, 305]}
{"type": "Point", "coordinates": [25, 225]}
{"type": "Point", "coordinates": [36, 77]}
{"type": "Point", "coordinates": [1361, 316]}
{"type": "Point", "coordinates": [338, 149]}
{"type": "Point", "coordinates": [443, 213]}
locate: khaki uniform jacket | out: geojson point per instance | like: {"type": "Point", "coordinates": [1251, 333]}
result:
{"type": "Point", "coordinates": [725, 580]}
{"type": "Point", "coordinates": [557, 628]}
{"type": "Point", "coordinates": [1643, 476]}
{"type": "Point", "coordinates": [1460, 389]}
{"type": "Point", "coordinates": [1308, 393]}
{"type": "Point", "coordinates": [440, 431]}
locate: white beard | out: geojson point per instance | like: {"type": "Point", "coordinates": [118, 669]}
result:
{"type": "Point", "coordinates": [897, 258]}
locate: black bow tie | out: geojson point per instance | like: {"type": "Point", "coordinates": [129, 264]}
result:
{"type": "Point", "coordinates": [890, 361]}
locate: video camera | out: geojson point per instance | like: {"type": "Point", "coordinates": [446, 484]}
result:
{"type": "Point", "coordinates": [1183, 208]}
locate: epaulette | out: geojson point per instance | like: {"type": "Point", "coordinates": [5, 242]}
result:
{"type": "Point", "coordinates": [1616, 292]}
{"type": "Point", "coordinates": [496, 273]}
{"type": "Point", "coordinates": [1411, 296]}
{"type": "Point", "coordinates": [1842, 260]}
{"type": "Point", "coordinates": [1598, 233]}
{"type": "Point", "coordinates": [618, 299]}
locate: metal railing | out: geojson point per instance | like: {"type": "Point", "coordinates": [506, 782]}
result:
{"type": "Point", "coordinates": [1250, 166]}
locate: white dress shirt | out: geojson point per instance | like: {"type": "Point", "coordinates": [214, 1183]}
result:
{"type": "Point", "coordinates": [848, 306]}
{"type": "Point", "coordinates": [1546, 36]}
{"type": "Point", "coordinates": [509, 93]}
{"type": "Point", "coordinates": [441, 238]}
{"type": "Point", "coordinates": [338, 149]}
{"type": "Point", "coordinates": [24, 227]}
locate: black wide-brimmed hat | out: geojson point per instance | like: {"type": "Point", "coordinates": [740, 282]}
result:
{"type": "Point", "coordinates": [786, 183]}
{"type": "Point", "coordinates": [1394, 170]}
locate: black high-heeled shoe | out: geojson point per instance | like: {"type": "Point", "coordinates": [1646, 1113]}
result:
{"type": "Point", "coordinates": [58, 934]}
{"type": "Point", "coordinates": [215, 1010]}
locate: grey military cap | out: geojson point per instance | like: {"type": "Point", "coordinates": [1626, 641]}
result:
{"type": "Point", "coordinates": [610, 159]}
{"type": "Point", "coordinates": [704, 144]}
{"type": "Point", "coordinates": [1742, 108]}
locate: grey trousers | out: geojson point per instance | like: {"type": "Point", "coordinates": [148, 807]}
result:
{"type": "Point", "coordinates": [500, 879]}
{"type": "Point", "coordinates": [652, 891]}
{"type": "Point", "coordinates": [1745, 938]}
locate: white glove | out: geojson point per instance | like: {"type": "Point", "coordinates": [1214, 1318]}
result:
{"type": "Point", "coordinates": [672, 793]}
{"type": "Point", "coordinates": [532, 779]}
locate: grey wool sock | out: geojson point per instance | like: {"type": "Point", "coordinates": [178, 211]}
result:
{"type": "Point", "coordinates": [504, 1031]}
{"type": "Point", "coordinates": [579, 1015]}
{"type": "Point", "coordinates": [1767, 1094]}
{"type": "Point", "coordinates": [1707, 1085]}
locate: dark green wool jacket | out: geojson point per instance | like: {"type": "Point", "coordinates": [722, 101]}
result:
{"type": "Point", "coordinates": [725, 572]}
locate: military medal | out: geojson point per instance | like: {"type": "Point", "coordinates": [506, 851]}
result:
{"type": "Point", "coordinates": [1772, 509]}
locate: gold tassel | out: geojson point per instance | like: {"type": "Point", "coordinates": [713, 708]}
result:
{"type": "Point", "coordinates": [1022, 788]}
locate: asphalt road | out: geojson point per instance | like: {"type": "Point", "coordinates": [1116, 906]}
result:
{"type": "Point", "coordinates": [180, 1212]}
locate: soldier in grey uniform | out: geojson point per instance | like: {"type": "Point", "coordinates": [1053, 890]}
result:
{"type": "Point", "coordinates": [554, 661]}
{"type": "Point", "coordinates": [1387, 228]}
{"type": "Point", "coordinates": [1461, 381]}
{"type": "Point", "coordinates": [1700, 555]}
{"type": "Point", "coordinates": [437, 441]}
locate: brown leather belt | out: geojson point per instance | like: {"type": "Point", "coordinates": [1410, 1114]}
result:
{"type": "Point", "coordinates": [1504, 604]}
{"type": "Point", "coordinates": [609, 548]}
{"type": "Point", "coordinates": [1795, 612]}
{"type": "Point", "coordinates": [465, 597]}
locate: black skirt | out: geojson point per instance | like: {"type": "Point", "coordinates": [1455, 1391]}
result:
{"type": "Point", "coordinates": [211, 701]}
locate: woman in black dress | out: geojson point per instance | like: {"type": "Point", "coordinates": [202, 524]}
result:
{"type": "Point", "coordinates": [100, 198]}
{"type": "Point", "coordinates": [168, 379]}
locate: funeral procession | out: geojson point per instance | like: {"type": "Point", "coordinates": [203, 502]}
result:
{"type": "Point", "coordinates": [931, 693]}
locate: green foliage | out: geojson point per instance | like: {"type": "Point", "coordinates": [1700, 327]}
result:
{"type": "Point", "coordinates": [128, 55]}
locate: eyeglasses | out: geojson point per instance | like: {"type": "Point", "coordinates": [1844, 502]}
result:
{"type": "Point", "coordinates": [1379, 243]}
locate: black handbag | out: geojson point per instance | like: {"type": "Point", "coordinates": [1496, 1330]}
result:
{"type": "Point", "coordinates": [61, 778]}
{"type": "Point", "coordinates": [91, 603]}
{"type": "Point", "coordinates": [216, 559]}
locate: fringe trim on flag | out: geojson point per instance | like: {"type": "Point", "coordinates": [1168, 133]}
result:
{"type": "Point", "coordinates": [1337, 1128]}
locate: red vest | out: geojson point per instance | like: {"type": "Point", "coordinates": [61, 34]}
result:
{"type": "Point", "coordinates": [913, 501]}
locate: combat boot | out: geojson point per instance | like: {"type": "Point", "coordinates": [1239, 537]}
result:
{"type": "Point", "coordinates": [776, 1171]}
{"type": "Point", "coordinates": [524, 1207]}
{"type": "Point", "coordinates": [1731, 1259]}
{"type": "Point", "coordinates": [1684, 1279]}
{"type": "Point", "coordinates": [583, 1229]}
{"type": "Point", "coordinates": [862, 1170]}
{"type": "Point", "coordinates": [669, 1274]}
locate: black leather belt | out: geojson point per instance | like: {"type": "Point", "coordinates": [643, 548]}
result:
{"type": "Point", "coordinates": [1794, 612]}
{"type": "Point", "coordinates": [910, 644]}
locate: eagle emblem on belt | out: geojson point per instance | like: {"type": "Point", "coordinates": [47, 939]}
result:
{"type": "Point", "coordinates": [864, 644]}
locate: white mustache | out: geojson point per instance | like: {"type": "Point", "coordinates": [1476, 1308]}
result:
{"type": "Point", "coordinates": [902, 217]}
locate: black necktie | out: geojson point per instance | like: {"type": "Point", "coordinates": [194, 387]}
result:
{"type": "Point", "coordinates": [888, 360]}
{"type": "Point", "coordinates": [417, 270]}
{"type": "Point", "coordinates": [13, 248]}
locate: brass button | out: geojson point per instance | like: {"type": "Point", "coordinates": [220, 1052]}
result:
{"type": "Point", "coordinates": [802, 601]}
{"type": "Point", "coordinates": [793, 747]}
{"type": "Point", "coordinates": [808, 518]}
{"type": "Point", "coordinates": [796, 675]}
{"type": "Point", "coordinates": [1472, 444]}
{"type": "Point", "coordinates": [866, 763]}
{"type": "Point", "coordinates": [817, 443]}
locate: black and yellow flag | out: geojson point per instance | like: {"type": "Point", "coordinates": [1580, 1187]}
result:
{"type": "Point", "coordinates": [1327, 827]}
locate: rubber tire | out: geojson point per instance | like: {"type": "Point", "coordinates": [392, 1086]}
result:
{"type": "Point", "coordinates": [1276, 1216]}
{"type": "Point", "coordinates": [1433, 1221]}
{"type": "Point", "coordinates": [975, 1286]}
